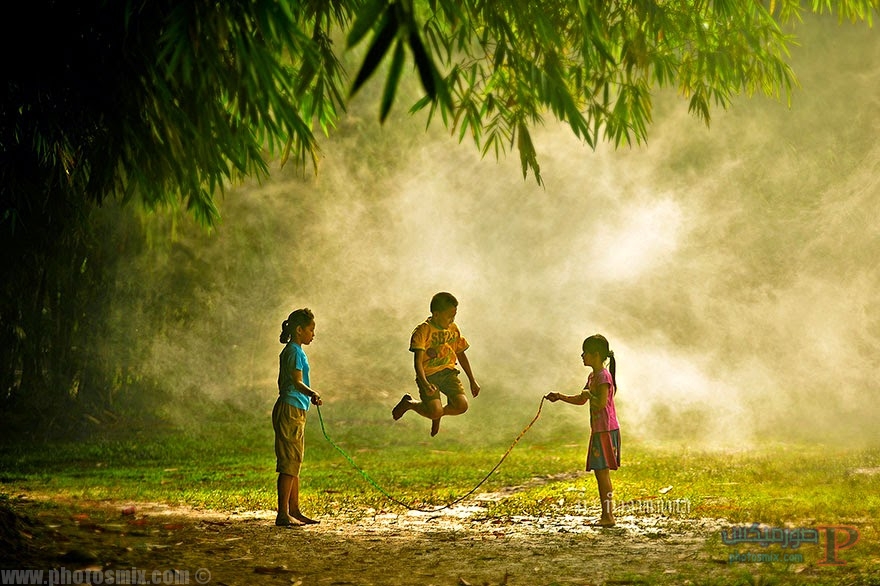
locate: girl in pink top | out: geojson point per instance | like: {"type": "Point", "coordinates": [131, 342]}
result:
{"type": "Point", "coordinates": [603, 454]}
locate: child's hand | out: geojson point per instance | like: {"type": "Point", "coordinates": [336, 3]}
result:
{"type": "Point", "coordinates": [475, 388]}
{"type": "Point", "coordinates": [552, 397]}
{"type": "Point", "coordinates": [316, 399]}
{"type": "Point", "coordinates": [432, 390]}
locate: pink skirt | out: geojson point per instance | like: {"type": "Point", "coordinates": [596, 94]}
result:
{"type": "Point", "coordinates": [604, 450]}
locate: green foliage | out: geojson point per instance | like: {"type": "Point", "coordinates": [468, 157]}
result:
{"type": "Point", "coordinates": [591, 64]}
{"type": "Point", "coordinates": [167, 102]}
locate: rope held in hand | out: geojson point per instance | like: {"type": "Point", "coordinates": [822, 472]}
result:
{"type": "Point", "coordinates": [447, 505]}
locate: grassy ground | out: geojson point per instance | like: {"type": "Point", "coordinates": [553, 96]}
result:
{"type": "Point", "coordinates": [230, 466]}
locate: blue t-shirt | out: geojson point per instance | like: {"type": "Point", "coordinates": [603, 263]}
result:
{"type": "Point", "coordinates": [293, 358]}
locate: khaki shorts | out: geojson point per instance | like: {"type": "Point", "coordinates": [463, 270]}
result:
{"type": "Point", "coordinates": [446, 380]}
{"type": "Point", "coordinates": [289, 424]}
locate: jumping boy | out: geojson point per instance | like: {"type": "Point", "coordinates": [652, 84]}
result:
{"type": "Point", "coordinates": [437, 345]}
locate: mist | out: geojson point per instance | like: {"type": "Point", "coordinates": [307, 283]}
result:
{"type": "Point", "coordinates": [733, 268]}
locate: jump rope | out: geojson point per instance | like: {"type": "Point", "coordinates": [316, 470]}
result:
{"type": "Point", "coordinates": [391, 498]}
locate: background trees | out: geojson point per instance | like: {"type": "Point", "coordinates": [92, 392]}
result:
{"type": "Point", "coordinates": [164, 103]}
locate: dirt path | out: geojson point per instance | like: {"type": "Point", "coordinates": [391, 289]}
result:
{"type": "Point", "coordinates": [453, 547]}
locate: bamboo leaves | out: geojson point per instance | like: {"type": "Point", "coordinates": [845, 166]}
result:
{"type": "Point", "coordinates": [382, 39]}
{"type": "Point", "coordinates": [207, 93]}
{"type": "Point", "coordinates": [392, 81]}
{"type": "Point", "coordinates": [590, 63]}
{"type": "Point", "coordinates": [396, 27]}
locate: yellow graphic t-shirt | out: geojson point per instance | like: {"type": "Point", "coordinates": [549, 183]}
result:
{"type": "Point", "coordinates": [440, 346]}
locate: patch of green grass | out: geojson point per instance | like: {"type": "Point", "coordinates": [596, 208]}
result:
{"type": "Point", "coordinates": [229, 464]}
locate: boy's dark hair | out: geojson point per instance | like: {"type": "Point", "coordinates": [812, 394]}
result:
{"type": "Point", "coordinates": [299, 318]}
{"type": "Point", "coordinates": [443, 301]}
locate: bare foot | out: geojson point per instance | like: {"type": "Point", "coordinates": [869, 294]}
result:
{"type": "Point", "coordinates": [607, 522]}
{"type": "Point", "coordinates": [286, 521]}
{"type": "Point", "coordinates": [435, 426]}
{"type": "Point", "coordinates": [401, 407]}
{"type": "Point", "coordinates": [304, 520]}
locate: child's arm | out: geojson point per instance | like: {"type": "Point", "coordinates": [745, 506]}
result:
{"type": "Point", "coordinates": [466, 367]}
{"type": "Point", "coordinates": [421, 379]}
{"type": "Point", "coordinates": [600, 399]}
{"type": "Point", "coordinates": [303, 388]}
{"type": "Point", "coordinates": [579, 399]}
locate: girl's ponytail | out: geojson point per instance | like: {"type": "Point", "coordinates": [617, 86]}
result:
{"type": "Point", "coordinates": [285, 333]}
{"type": "Point", "coordinates": [612, 368]}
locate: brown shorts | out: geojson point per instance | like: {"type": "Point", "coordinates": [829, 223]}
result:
{"type": "Point", "coordinates": [446, 380]}
{"type": "Point", "coordinates": [290, 425]}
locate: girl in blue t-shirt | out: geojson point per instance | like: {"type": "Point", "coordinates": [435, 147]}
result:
{"type": "Point", "coordinates": [289, 413]}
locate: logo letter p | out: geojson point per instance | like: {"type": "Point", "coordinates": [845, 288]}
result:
{"type": "Point", "coordinates": [849, 537]}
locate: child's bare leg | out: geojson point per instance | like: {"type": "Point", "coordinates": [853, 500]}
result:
{"type": "Point", "coordinates": [606, 497]}
{"type": "Point", "coordinates": [404, 405]}
{"type": "Point", "coordinates": [293, 504]}
{"type": "Point", "coordinates": [431, 409]}
{"type": "Point", "coordinates": [456, 406]}
{"type": "Point", "coordinates": [285, 489]}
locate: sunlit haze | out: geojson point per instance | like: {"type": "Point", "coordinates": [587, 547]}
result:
{"type": "Point", "coordinates": [733, 269]}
